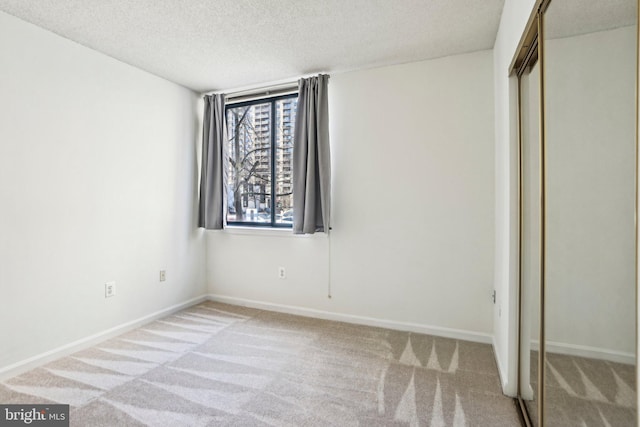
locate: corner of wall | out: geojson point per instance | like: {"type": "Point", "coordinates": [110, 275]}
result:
{"type": "Point", "coordinates": [514, 17]}
{"type": "Point", "coordinates": [508, 385]}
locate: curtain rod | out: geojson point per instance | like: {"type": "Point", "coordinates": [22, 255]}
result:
{"type": "Point", "coordinates": [261, 92]}
{"type": "Point", "coordinates": [234, 98]}
{"type": "Point", "coordinates": [277, 89]}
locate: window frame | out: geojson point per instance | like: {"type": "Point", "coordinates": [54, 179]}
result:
{"type": "Point", "coordinates": [272, 100]}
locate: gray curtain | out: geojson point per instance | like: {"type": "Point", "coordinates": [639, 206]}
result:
{"type": "Point", "coordinates": [311, 158]}
{"type": "Point", "coordinates": [212, 178]}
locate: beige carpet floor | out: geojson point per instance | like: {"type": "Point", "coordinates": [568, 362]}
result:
{"type": "Point", "coordinates": [221, 365]}
{"type": "Point", "coordinates": [584, 392]}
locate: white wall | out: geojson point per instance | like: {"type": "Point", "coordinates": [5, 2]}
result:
{"type": "Point", "coordinates": [515, 15]}
{"type": "Point", "coordinates": [412, 239]}
{"type": "Point", "coordinates": [98, 182]}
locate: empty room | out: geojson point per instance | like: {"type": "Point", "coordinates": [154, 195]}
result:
{"type": "Point", "coordinates": [334, 213]}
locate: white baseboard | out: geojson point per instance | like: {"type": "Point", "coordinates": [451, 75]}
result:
{"type": "Point", "coordinates": [83, 343]}
{"type": "Point", "coordinates": [586, 351]}
{"type": "Point", "coordinates": [67, 349]}
{"type": "Point", "coordinates": [359, 320]}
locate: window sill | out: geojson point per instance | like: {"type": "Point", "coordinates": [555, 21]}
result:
{"type": "Point", "coordinates": [258, 231]}
{"type": "Point", "coordinates": [266, 231]}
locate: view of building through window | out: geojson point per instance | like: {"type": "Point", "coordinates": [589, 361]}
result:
{"type": "Point", "coordinates": [259, 167]}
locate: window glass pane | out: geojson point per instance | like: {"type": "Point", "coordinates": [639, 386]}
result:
{"type": "Point", "coordinates": [249, 165]}
{"type": "Point", "coordinates": [285, 120]}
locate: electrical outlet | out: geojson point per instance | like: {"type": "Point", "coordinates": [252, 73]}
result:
{"type": "Point", "coordinates": [109, 289]}
{"type": "Point", "coordinates": [282, 273]}
{"type": "Point", "coordinates": [163, 275]}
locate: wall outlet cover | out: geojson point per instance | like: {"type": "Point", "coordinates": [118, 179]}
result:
{"type": "Point", "coordinates": [109, 289]}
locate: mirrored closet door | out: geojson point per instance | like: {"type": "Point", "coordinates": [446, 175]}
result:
{"type": "Point", "coordinates": [577, 215]}
{"type": "Point", "coordinates": [590, 310]}
{"type": "Point", "coordinates": [530, 234]}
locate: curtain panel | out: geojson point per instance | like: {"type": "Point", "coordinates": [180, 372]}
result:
{"type": "Point", "coordinates": [312, 158]}
{"type": "Point", "coordinates": [212, 177]}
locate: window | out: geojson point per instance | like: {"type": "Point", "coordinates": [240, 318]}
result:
{"type": "Point", "coordinates": [259, 184]}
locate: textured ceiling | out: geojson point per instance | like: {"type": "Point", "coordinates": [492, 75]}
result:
{"type": "Point", "coordinates": [227, 44]}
